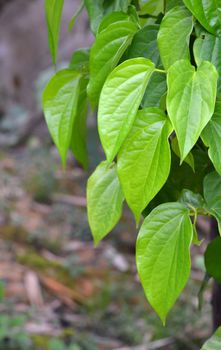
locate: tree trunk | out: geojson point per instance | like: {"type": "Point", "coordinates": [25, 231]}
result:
{"type": "Point", "coordinates": [216, 292]}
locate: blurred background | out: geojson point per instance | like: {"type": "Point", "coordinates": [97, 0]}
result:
{"type": "Point", "coordinates": [57, 292]}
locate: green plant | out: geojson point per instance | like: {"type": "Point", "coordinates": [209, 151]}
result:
{"type": "Point", "coordinates": [154, 72]}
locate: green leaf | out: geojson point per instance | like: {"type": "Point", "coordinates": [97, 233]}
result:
{"type": "Point", "coordinates": [212, 190]}
{"type": "Point", "coordinates": [111, 18]}
{"type": "Point", "coordinates": [119, 101]}
{"type": "Point", "coordinates": [144, 159]}
{"type": "Point", "coordinates": [192, 200]}
{"type": "Point", "coordinates": [60, 100]}
{"type": "Point", "coordinates": [53, 12]}
{"type": "Point", "coordinates": [106, 52]}
{"type": "Point", "coordinates": [189, 158]}
{"type": "Point", "coordinates": [116, 5]}
{"type": "Point", "coordinates": [104, 200]}
{"type": "Point", "coordinates": [190, 100]}
{"type": "Point", "coordinates": [80, 60]}
{"type": "Point", "coordinates": [174, 35]}
{"type": "Point", "coordinates": [172, 3]}
{"type": "Point", "coordinates": [144, 44]}
{"type": "Point", "coordinates": [214, 343]}
{"type": "Point", "coordinates": [76, 15]}
{"type": "Point", "coordinates": [208, 48]}
{"type": "Point", "coordinates": [212, 258]}
{"type": "Point", "coordinates": [95, 12]}
{"type": "Point", "coordinates": [78, 143]}
{"type": "Point", "coordinates": [163, 256]}
{"type": "Point", "coordinates": [152, 7]}
{"type": "Point", "coordinates": [207, 13]}
{"type": "Point", "coordinates": [211, 136]}
{"type": "Point", "coordinates": [155, 90]}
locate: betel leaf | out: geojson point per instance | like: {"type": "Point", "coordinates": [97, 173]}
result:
{"type": "Point", "coordinates": [211, 136]}
{"type": "Point", "coordinates": [207, 13]}
{"type": "Point", "coordinates": [163, 255]}
{"type": "Point", "coordinates": [144, 44]}
{"type": "Point", "coordinates": [212, 259]}
{"type": "Point", "coordinates": [112, 18]}
{"type": "Point", "coordinates": [80, 60]}
{"type": "Point", "coordinates": [192, 200]}
{"type": "Point", "coordinates": [119, 101]}
{"type": "Point", "coordinates": [152, 7]}
{"type": "Point", "coordinates": [207, 48]}
{"type": "Point", "coordinates": [155, 91]}
{"type": "Point", "coordinates": [106, 52]}
{"type": "Point", "coordinates": [212, 195]}
{"type": "Point", "coordinates": [76, 15]}
{"type": "Point", "coordinates": [213, 343]}
{"type": "Point", "coordinates": [144, 159]}
{"type": "Point", "coordinates": [174, 35]}
{"type": "Point", "coordinates": [78, 143]}
{"type": "Point", "coordinates": [190, 100]}
{"type": "Point", "coordinates": [104, 200]}
{"type": "Point", "coordinates": [53, 12]}
{"type": "Point", "coordinates": [172, 3]}
{"type": "Point", "coordinates": [116, 5]}
{"type": "Point", "coordinates": [95, 12]}
{"type": "Point", "coordinates": [60, 100]}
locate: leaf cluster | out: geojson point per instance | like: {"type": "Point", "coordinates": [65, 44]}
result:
{"type": "Point", "coordinates": [153, 74]}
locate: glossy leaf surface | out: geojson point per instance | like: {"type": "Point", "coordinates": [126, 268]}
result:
{"type": "Point", "coordinates": [53, 12]}
{"type": "Point", "coordinates": [78, 143]}
{"type": "Point", "coordinates": [60, 100]}
{"type": "Point", "coordinates": [208, 48]}
{"type": "Point", "coordinates": [105, 199]}
{"type": "Point", "coordinates": [190, 100]}
{"type": "Point", "coordinates": [119, 101]}
{"type": "Point", "coordinates": [144, 44]}
{"type": "Point", "coordinates": [163, 256]}
{"type": "Point", "coordinates": [212, 190]}
{"type": "Point", "coordinates": [174, 35]}
{"type": "Point", "coordinates": [211, 136]}
{"type": "Point", "coordinates": [144, 159]}
{"type": "Point", "coordinates": [207, 13]}
{"type": "Point", "coordinates": [106, 52]}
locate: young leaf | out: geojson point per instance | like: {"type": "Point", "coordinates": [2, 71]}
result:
{"type": "Point", "coordinates": [60, 99]}
{"type": "Point", "coordinates": [207, 13]}
{"type": "Point", "coordinates": [144, 44]}
{"type": "Point", "coordinates": [190, 100]}
{"type": "Point", "coordinates": [208, 48]}
{"type": "Point", "coordinates": [163, 255]}
{"type": "Point", "coordinates": [106, 52]}
{"type": "Point", "coordinates": [119, 101]}
{"type": "Point", "coordinates": [174, 35]}
{"type": "Point", "coordinates": [144, 159]}
{"type": "Point", "coordinates": [212, 190]}
{"type": "Point", "coordinates": [104, 200]}
{"type": "Point", "coordinates": [211, 136]}
{"type": "Point", "coordinates": [212, 259]}
{"type": "Point", "coordinates": [214, 343]}
{"type": "Point", "coordinates": [53, 12]}
{"type": "Point", "coordinates": [78, 143]}
{"type": "Point", "coordinates": [111, 18]}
